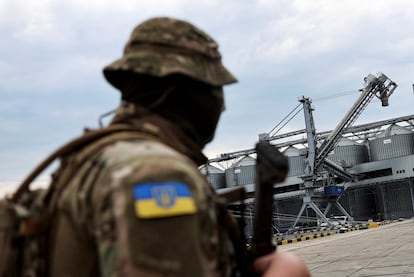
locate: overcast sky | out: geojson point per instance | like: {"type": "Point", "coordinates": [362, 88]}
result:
{"type": "Point", "coordinates": [52, 54]}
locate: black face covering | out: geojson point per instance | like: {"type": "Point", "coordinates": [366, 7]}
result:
{"type": "Point", "coordinates": [191, 105]}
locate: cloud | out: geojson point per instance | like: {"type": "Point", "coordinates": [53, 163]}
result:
{"type": "Point", "coordinates": [9, 187]}
{"type": "Point", "coordinates": [36, 21]}
{"type": "Point", "coordinates": [53, 53]}
{"type": "Point", "coordinates": [320, 30]}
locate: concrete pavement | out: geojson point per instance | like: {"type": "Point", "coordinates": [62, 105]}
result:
{"type": "Point", "coordinates": [386, 250]}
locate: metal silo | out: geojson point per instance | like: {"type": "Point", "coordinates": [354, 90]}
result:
{"type": "Point", "coordinates": [391, 147]}
{"type": "Point", "coordinates": [215, 176]}
{"type": "Point", "coordinates": [242, 172]}
{"type": "Point", "coordinates": [349, 153]}
{"type": "Point", "coordinates": [296, 161]}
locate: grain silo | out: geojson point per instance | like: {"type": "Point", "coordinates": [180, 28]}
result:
{"type": "Point", "coordinates": [395, 141]}
{"type": "Point", "coordinates": [242, 172]}
{"type": "Point", "coordinates": [349, 153]}
{"type": "Point", "coordinates": [215, 176]}
{"type": "Point", "coordinates": [296, 161]}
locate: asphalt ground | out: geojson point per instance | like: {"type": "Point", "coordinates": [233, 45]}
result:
{"type": "Point", "coordinates": [386, 250]}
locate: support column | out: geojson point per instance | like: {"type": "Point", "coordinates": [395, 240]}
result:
{"type": "Point", "coordinates": [344, 212]}
{"type": "Point", "coordinates": [411, 193]}
{"type": "Point", "coordinates": [307, 201]}
{"type": "Point", "coordinates": [383, 201]}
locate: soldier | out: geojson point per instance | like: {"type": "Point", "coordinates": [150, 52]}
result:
{"type": "Point", "coordinates": [133, 202]}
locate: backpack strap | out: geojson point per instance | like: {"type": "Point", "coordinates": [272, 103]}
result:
{"type": "Point", "coordinates": [77, 143]}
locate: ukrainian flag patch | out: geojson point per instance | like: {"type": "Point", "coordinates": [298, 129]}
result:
{"type": "Point", "coordinates": [163, 199]}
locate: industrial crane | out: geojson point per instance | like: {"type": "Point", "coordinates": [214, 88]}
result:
{"type": "Point", "coordinates": [318, 166]}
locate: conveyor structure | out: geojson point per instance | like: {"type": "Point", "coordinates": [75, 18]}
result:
{"type": "Point", "coordinates": [319, 169]}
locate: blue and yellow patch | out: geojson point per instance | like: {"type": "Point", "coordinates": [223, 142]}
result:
{"type": "Point", "coordinates": [163, 199]}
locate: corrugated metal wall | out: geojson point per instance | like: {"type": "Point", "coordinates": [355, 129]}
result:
{"type": "Point", "coordinates": [396, 199]}
{"type": "Point", "coordinates": [214, 175]}
{"type": "Point", "coordinates": [218, 180]}
{"type": "Point", "coordinates": [349, 155]}
{"type": "Point", "coordinates": [360, 203]}
{"type": "Point", "coordinates": [380, 201]}
{"type": "Point", "coordinates": [296, 165]}
{"type": "Point", "coordinates": [240, 175]}
{"type": "Point", "coordinates": [391, 147]}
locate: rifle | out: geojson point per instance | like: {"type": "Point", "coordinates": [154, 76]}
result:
{"type": "Point", "coordinates": [271, 168]}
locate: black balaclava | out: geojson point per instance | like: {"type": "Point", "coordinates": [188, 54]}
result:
{"type": "Point", "coordinates": [192, 106]}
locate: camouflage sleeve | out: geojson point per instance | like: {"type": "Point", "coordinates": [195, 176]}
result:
{"type": "Point", "coordinates": [154, 214]}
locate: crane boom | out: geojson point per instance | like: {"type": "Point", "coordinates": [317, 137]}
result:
{"type": "Point", "coordinates": [351, 130]}
{"type": "Point", "coordinates": [380, 86]}
{"type": "Point", "coordinates": [319, 170]}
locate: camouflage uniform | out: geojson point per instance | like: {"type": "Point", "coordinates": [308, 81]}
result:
{"type": "Point", "coordinates": [134, 203]}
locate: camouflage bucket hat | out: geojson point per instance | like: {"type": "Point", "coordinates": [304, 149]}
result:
{"type": "Point", "coordinates": [163, 46]}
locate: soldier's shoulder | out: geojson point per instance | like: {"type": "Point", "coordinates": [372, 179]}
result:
{"type": "Point", "coordinates": [127, 151]}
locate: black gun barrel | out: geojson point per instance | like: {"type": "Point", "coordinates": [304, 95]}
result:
{"type": "Point", "coordinates": [271, 168]}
